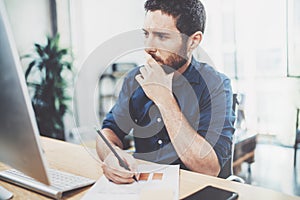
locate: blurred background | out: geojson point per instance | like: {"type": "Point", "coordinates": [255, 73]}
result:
{"type": "Point", "coordinates": [255, 43]}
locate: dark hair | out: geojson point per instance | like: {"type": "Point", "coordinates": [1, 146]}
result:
{"type": "Point", "coordinates": [190, 14]}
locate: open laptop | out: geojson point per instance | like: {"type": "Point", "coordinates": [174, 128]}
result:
{"type": "Point", "coordinates": [20, 147]}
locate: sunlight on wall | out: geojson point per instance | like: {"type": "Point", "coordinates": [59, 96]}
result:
{"type": "Point", "coordinates": [259, 44]}
{"type": "Point", "coordinates": [29, 23]}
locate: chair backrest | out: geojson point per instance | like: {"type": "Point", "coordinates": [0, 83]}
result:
{"type": "Point", "coordinates": [234, 102]}
{"type": "Point", "coordinates": [297, 140]}
{"type": "Point", "coordinates": [297, 119]}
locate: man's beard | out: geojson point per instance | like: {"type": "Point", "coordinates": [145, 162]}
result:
{"type": "Point", "coordinates": [173, 62]}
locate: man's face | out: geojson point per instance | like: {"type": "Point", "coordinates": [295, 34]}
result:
{"type": "Point", "coordinates": [163, 40]}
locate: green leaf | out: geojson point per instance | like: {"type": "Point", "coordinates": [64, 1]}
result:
{"type": "Point", "coordinates": [39, 49]}
{"type": "Point", "coordinates": [62, 52]}
{"type": "Point", "coordinates": [26, 56]}
{"type": "Point", "coordinates": [29, 69]}
{"type": "Point", "coordinates": [41, 65]}
{"type": "Point", "coordinates": [54, 42]}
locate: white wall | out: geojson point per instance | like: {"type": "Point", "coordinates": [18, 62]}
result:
{"type": "Point", "coordinates": [94, 22]}
{"type": "Point", "coordinates": [30, 22]}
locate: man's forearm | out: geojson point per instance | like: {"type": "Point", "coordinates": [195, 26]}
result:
{"type": "Point", "coordinates": [101, 147]}
{"type": "Point", "coordinates": [194, 151]}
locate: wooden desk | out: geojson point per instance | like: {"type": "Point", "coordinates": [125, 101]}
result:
{"type": "Point", "coordinates": [76, 159]}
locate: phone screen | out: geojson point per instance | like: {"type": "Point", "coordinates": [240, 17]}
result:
{"type": "Point", "coordinates": [213, 193]}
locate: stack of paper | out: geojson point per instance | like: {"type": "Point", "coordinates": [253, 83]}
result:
{"type": "Point", "coordinates": [155, 182]}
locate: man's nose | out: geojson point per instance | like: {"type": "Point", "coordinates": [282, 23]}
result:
{"type": "Point", "coordinates": [150, 46]}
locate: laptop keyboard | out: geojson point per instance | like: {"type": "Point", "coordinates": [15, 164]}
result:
{"type": "Point", "coordinates": [60, 181]}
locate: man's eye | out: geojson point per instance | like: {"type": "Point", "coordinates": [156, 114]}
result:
{"type": "Point", "coordinates": [146, 34]}
{"type": "Point", "coordinates": [162, 36]}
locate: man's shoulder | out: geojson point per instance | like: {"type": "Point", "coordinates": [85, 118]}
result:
{"type": "Point", "coordinates": [209, 70]}
{"type": "Point", "coordinates": [209, 73]}
{"type": "Point", "coordinates": [129, 78]}
{"type": "Point", "coordinates": [204, 73]}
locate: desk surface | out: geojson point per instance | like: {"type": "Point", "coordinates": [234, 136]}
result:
{"type": "Point", "coordinates": [76, 159]}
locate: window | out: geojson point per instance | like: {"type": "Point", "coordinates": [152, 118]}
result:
{"type": "Point", "coordinates": [293, 20]}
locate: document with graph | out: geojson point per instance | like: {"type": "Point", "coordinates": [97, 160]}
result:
{"type": "Point", "coordinates": [159, 181]}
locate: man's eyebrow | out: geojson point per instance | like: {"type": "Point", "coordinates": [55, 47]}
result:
{"type": "Point", "coordinates": [160, 33]}
{"type": "Point", "coordinates": [157, 32]}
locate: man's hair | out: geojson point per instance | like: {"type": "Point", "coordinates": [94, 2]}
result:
{"type": "Point", "coordinates": [190, 14]}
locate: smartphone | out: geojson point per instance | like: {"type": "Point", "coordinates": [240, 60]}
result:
{"type": "Point", "coordinates": [212, 193]}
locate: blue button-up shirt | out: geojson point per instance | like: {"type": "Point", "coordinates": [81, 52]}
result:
{"type": "Point", "coordinates": [205, 99]}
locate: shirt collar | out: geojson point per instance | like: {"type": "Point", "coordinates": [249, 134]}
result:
{"type": "Point", "coordinates": [192, 73]}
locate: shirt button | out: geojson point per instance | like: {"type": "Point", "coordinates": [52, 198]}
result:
{"type": "Point", "coordinates": [159, 142]}
{"type": "Point", "coordinates": [158, 119]}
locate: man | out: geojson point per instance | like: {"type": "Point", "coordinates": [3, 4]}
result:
{"type": "Point", "coordinates": [178, 109]}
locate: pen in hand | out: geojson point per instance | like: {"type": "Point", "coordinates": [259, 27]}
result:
{"type": "Point", "coordinates": [122, 163]}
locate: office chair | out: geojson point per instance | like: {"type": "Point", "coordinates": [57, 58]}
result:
{"type": "Point", "coordinates": [231, 176]}
{"type": "Point", "coordinates": [228, 167]}
{"type": "Point", "coordinates": [297, 139]}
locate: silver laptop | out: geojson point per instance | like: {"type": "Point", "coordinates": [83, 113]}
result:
{"type": "Point", "coordinates": [20, 147]}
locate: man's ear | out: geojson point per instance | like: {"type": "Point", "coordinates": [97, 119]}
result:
{"type": "Point", "coordinates": [194, 40]}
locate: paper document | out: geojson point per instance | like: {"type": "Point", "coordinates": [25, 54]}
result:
{"type": "Point", "coordinates": [155, 182]}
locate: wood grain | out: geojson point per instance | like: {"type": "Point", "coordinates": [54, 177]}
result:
{"type": "Point", "coordinates": [78, 160]}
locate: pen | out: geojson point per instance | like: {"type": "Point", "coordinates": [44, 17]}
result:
{"type": "Point", "coordinates": [121, 161]}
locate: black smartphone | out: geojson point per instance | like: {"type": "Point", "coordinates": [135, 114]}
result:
{"type": "Point", "coordinates": [212, 193]}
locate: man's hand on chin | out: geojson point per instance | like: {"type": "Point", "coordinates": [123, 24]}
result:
{"type": "Point", "coordinates": [156, 84]}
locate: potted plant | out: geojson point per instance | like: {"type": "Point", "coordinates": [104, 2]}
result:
{"type": "Point", "coordinates": [49, 97]}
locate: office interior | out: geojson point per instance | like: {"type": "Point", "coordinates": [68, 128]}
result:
{"type": "Point", "coordinates": [255, 43]}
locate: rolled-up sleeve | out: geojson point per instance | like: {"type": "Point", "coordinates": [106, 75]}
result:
{"type": "Point", "coordinates": [217, 119]}
{"type": "Point", "coordinates": [118, 119]}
